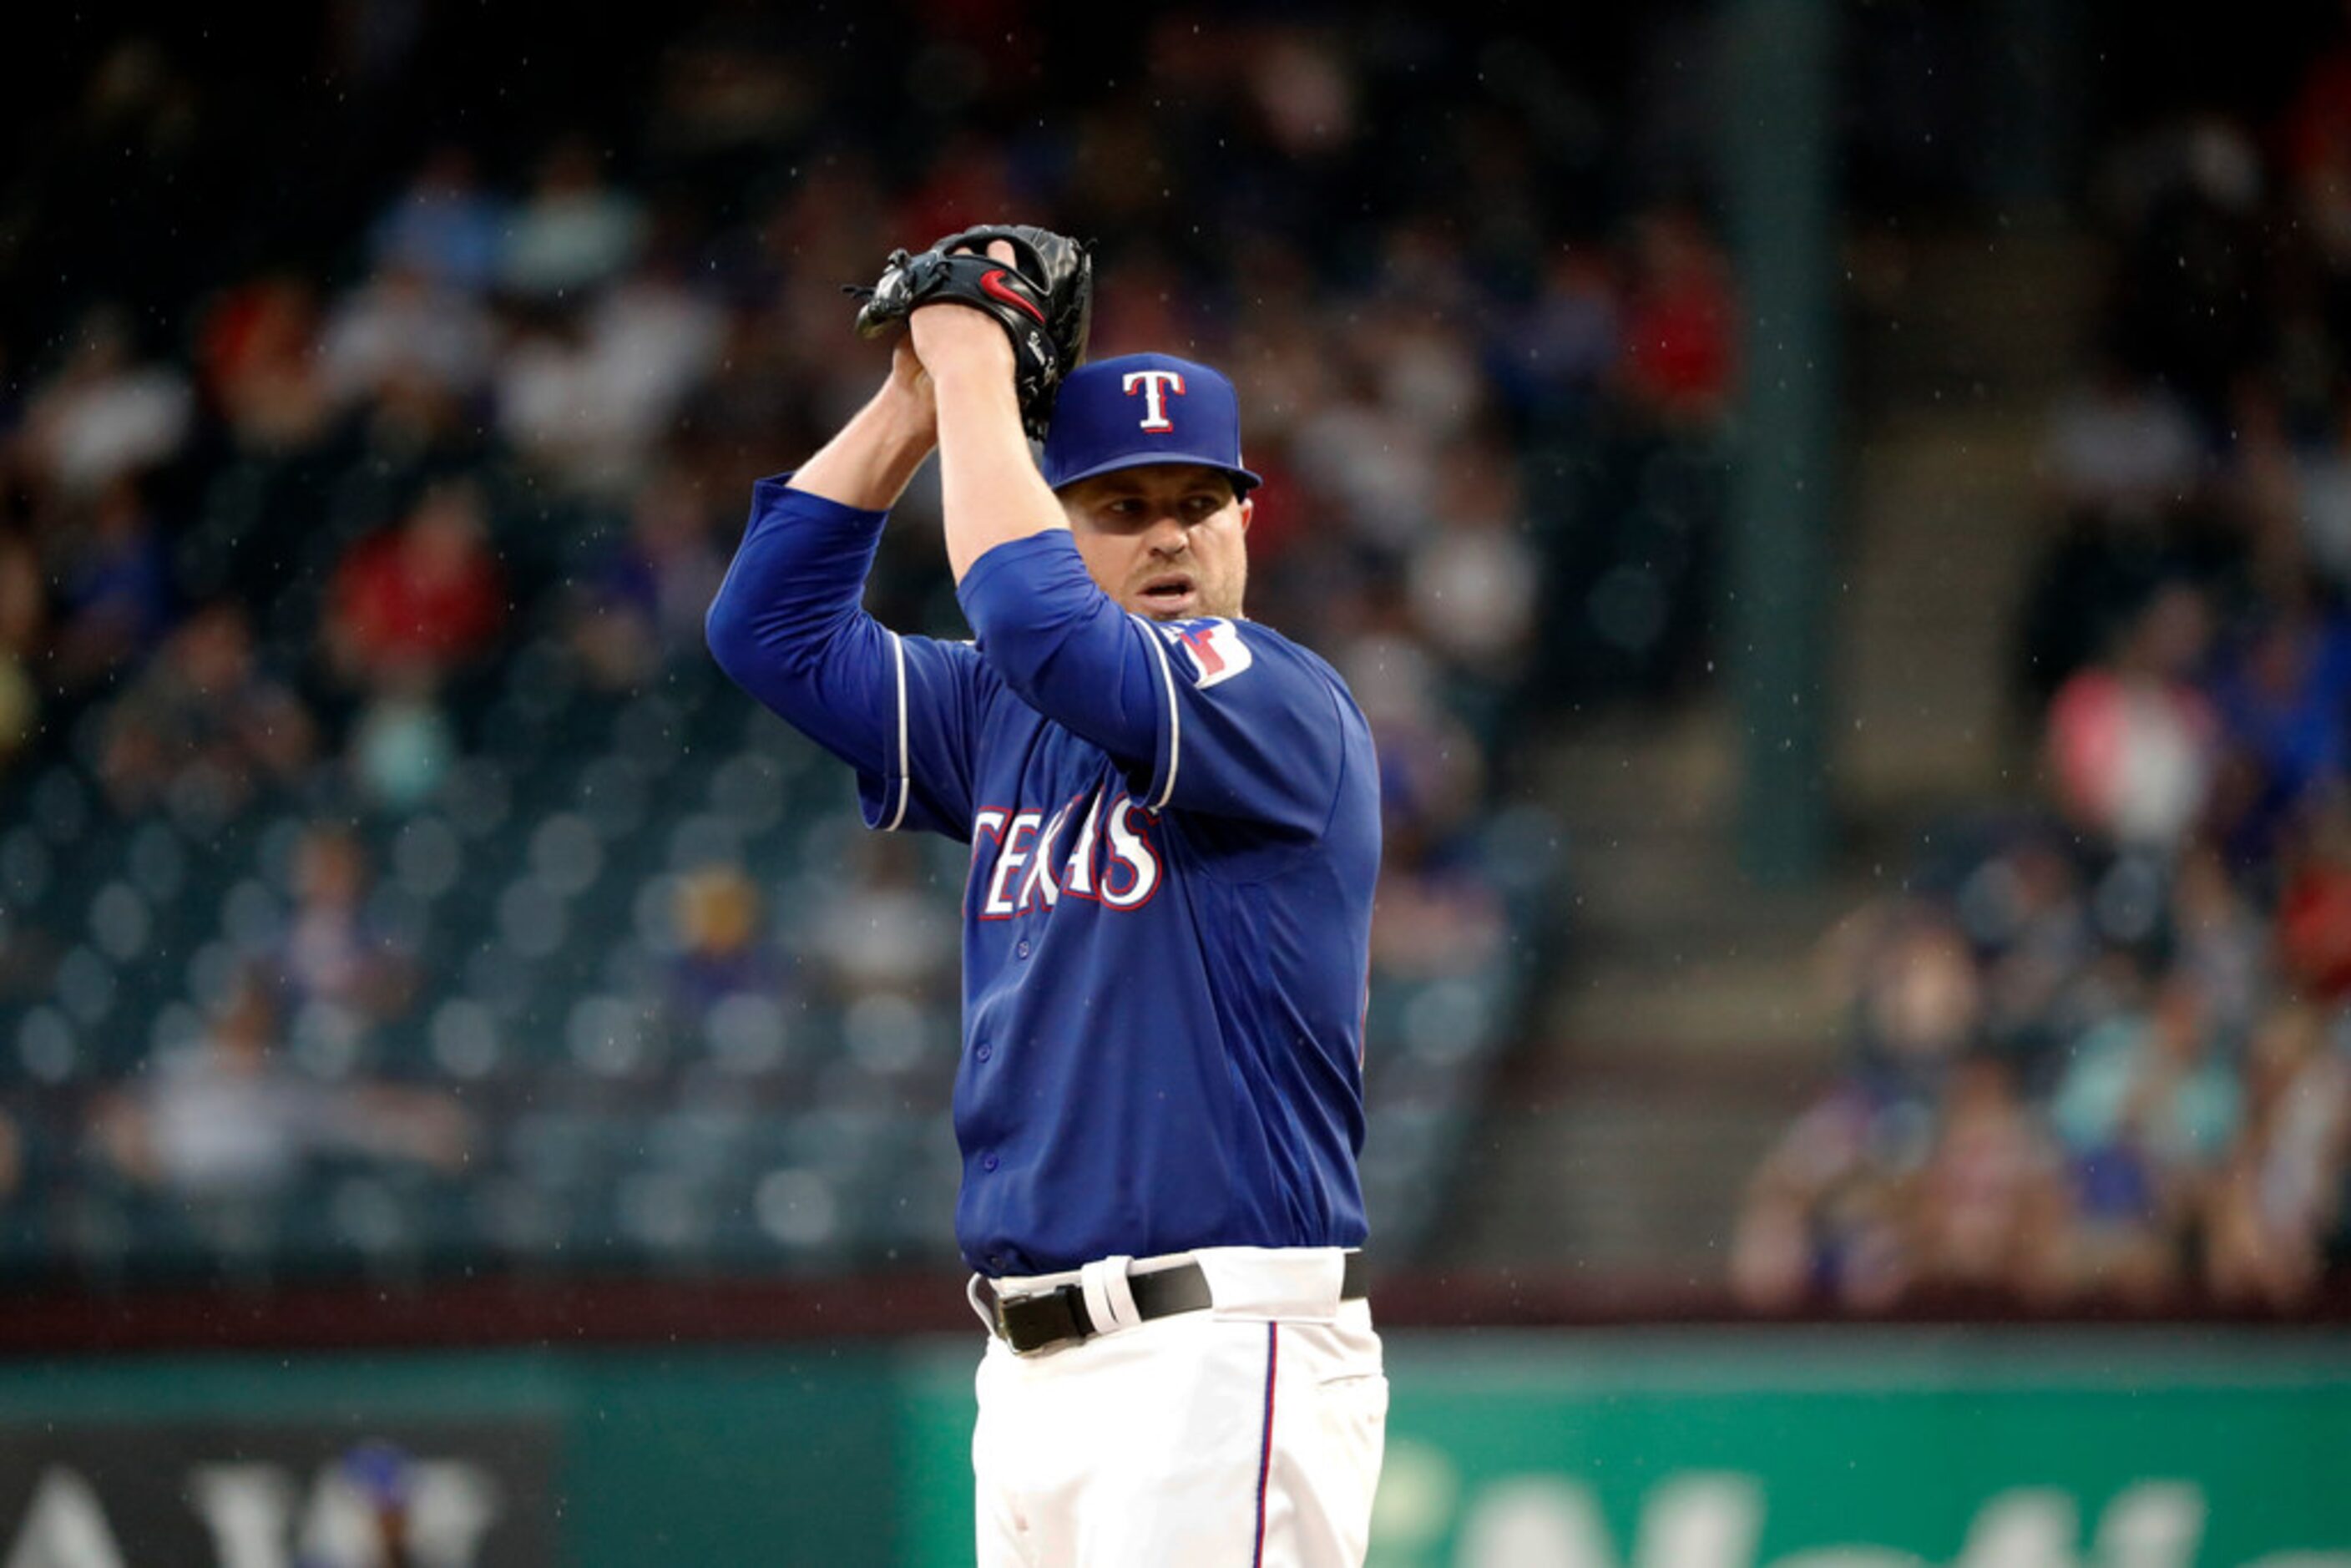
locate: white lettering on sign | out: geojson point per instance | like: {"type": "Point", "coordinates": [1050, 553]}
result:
{"type": "Point", "coordinates": [63, 1526]}
{"type": "Point", "coordinates": [1715, 1520]}
{"type": "Point", "coordinates": [250, 1510]}
{"type": "Point", "coordinates": [245, 1507]}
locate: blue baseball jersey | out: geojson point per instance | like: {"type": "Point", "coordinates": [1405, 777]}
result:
{"type": "Point", "coordinates": [1175, 835]}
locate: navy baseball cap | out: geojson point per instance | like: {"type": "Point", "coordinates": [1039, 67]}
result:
{"type": "Point", "coordinates": [1144, 408]}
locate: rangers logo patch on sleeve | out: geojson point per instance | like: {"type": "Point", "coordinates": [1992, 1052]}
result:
{"type": "Point", "coordinates": [1214, 647]}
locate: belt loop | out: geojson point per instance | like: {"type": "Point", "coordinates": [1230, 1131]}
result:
{"type": "Point", "coordinates": [1110, 1301]}
{"type": "Point", "coordinates": [985, 1310]}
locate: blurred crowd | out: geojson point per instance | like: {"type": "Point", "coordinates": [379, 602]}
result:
{"type": "Point", "coordinates": [305, 554]}
{"type": "Point", "coordinates": [2100, 1052]}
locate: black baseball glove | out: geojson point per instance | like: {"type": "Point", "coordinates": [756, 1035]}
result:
{"type": "Point", "coordinates": [1044, 296]}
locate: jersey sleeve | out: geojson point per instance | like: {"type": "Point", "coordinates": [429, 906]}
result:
{"type": "Point", "coordinates": [1219, 716]}
{"type": "Point", "coordinates": [788, 625]}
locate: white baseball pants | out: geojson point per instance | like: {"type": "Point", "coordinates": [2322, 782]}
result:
{"type": "Point", "coordinates": [1246, 1434]}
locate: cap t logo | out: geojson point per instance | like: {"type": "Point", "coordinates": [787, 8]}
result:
{"type": "Point", "coordinates": [1156, 385]}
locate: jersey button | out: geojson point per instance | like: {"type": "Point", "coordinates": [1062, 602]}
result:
{"type": "Point", "coordinates": [1022, 950]}
{"type": "Point", "coordinates": [983, 1051]}
{"type": "Point", "coordinates": [987, 1161]}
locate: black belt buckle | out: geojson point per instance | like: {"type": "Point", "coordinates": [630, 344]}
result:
{"type": "Point", "coordinates": [1032, 1323]}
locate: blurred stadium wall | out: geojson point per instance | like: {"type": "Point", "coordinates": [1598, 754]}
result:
{"type": "Point", "coordinates": [1840, 516]}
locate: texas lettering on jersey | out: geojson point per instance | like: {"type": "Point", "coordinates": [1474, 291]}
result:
{"type": "Point", "coordinates": [1019, 862]}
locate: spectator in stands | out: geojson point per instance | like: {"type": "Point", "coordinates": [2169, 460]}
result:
{"type": "Point", "coordinates": [258, 363]}
{"type": "Point", "coordinates": [219, 1116]}
{"type": "Point", "coordinates": [575, 232]}
{"type": "Point", "coordinates": [1680, 363]}
{"type": "Point", "coordinates": [1375, 469]}
{"type": "Point", "coordinates": [1834, 1209]}
{"type": "Point", "coordinates": [2132, 744]}
{"type": "Point", "coordinates": [728, 995]}
{"type": "Point", "coordinates": [2279, 1197]}
{"type": "Point", "coordinates": [105, 415]}
{"type": "Point", "coordinates": [1990, 1211]}
{"type": "Point", "coordinates": [222, 1118]}
{"type": "Point", "coordinates": [2222, 941]}
{"type": "Point", "coordinates": [1472, 582]}
{"type": "Point", "coordinates": [404, 336]}
{"type": "Point", "coordinates": [720, 950]}
{"type": "Point", "coordinates": [2122, 449]}
{"type": "Point", "coordinates": [2282, 697]}
{"type": "Point", "coordinates": [2145, 1114]}
{"type": "Point", "coordinates": [1435, 914]}
{"type": "Point", "coordinates": [115, 574]}
{"type": "Point", "coordinates": [1902, 975]}
{"type": "Point", "coordinates": [2026, 910]}
{"type": "Point", "coordinates": [1824, 1220]}
{"type": "Point", "coordinates": [887, 934]}
{"type": "Point", "coordinates": [1432, 770]}
{"type": "Point", "coordinates": [587, 392]}
{"type": "Point", "coordinates": [643, 603]}
{"type": "Point", "coordinates": [340, 973]}
{"type": "Point", "coordinates": [2313, 905]}
{"type": "Point", "coordinates": [204, 721]}
{"type": "Point", "coordinates": [443, 227]}
{"type": "Point", "coordinates": [403, 744]}
{"type": "Point", "coordinates": [419, 600]}
{"type": "Point", "coordinates": [1553, 359]}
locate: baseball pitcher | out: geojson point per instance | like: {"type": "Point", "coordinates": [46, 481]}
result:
{"type": "Point", "coordinates": [1174, 822]}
